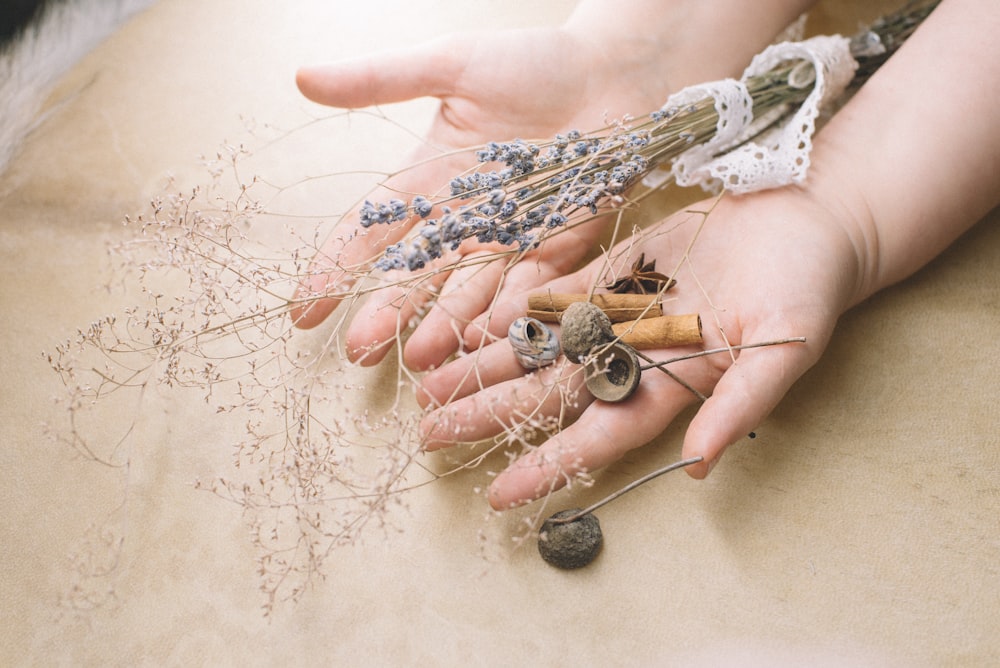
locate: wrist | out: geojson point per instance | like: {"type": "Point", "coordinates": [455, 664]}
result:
{"type": "Point", "coordinates": [832, 188]}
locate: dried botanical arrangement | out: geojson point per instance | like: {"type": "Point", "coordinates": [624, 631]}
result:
{"type": "Point", "coordinates": [309, 472]}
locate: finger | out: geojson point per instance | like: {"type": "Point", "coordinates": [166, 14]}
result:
{"type": "Point", "coordinates": [429, 69]}
{"type": "Point", "coordinates": [493, 359]}
{"type": "Point", "coordinates": [467, 293]}
{"type": "Point", "coordinates": [349, 254]}
{"type": "Point", "coordinates": [545, 269]}
{"type": "Point", "coordinates": [511, 405]}
{"type": "Point", "coordinates": [602, 435]}
{"type": "Point", "coordinates": [376, 326]}
{"type": "Point", "coordinates": [325, 284]}
{"type": "Point", "coordinates": [490, 365]}
{"type": "Point", "coordinates": [472, 293]}
{"type": "Point", "coordinates": [746, 394]}
{"type": "Point", "coordinates": [387, 312]}
{"type": "Point", "coordinates": [512, 300]}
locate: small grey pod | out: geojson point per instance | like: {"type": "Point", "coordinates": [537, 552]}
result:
{"type": "Point", "coordinates": [534, 344]}
{"type": "Point", "coordinates": [584, 327]}
{"type": "Point", "coordinates": [573, 544]}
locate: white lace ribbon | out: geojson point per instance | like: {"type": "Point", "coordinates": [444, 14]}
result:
{"type": "Point", "coordinates": [780, 156]}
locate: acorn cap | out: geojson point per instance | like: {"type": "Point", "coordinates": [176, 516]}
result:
{"type": "Point", "coordinates": [613, 372]}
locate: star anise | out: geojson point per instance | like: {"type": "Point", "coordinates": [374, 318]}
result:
{"type": "Point", "coordinates": [643, 279]}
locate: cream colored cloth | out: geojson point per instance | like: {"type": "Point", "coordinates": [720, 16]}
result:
{"type": "Point", "coordinates": [861, 527]}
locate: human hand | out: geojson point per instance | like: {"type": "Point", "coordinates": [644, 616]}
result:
{"type": "Point", "coordinates": [491, 88]}
{"type": "Point", "coordinates": [763, 267]}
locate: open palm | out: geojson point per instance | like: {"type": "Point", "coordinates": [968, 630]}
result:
{"type": "Point", "coordinates": [763, 267]}
{"type": "Point", "coordinates": [492, 88]}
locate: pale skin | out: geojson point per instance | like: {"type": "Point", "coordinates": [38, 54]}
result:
{"type": "Point", "coordinates": [897, 175]}
{"type": "Point", "coordinates": [595, 70]}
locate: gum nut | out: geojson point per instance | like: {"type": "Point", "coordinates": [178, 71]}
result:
{"type": "Point", "coordinates": [571, 544]}
{"type": "Point", "coordinates": [534, 344]}
{"type": "Point", "coordinates": [584, 326]}
{"type": "Point", "coordinates": [613, 373]}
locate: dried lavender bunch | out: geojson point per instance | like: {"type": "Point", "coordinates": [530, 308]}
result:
{"type": "Point", "coordinates": [536, 189]}
{"type": "Point", "coordinates": [874, 46]}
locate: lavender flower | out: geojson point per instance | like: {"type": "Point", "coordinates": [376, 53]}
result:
{"type": "Point", "coordinates": [422, 206]}
{"type": "Point", "coordinates": [537, 189]}
{"type": "Point", "coordinates": [391, 212]}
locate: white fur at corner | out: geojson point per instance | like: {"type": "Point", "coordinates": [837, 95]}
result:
{"type": "Point", "coordinates": [31, 65]}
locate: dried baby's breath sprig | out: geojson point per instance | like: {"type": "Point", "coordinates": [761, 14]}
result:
{"type": "Point", "coordinates": [310, 468]}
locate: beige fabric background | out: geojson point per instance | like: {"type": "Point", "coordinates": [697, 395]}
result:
{"type": "Point", "coordinates": [861, 527]}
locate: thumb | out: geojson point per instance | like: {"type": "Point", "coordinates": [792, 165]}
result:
{"type": "Point", "coordinates": [394, 76]}
{"type": "Point", "coordinates": [747, 392]}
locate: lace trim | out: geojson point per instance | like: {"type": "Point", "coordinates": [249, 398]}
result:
{"type": "Point", "coordinates": [780, 156]}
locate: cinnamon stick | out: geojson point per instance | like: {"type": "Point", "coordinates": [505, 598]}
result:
{"type": "Point", "coordinates": [660, 332]}
{"type": "Point", "coordinates": [548, 306]}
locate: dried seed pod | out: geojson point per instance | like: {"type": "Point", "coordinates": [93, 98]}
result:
{"type": "Point", "coordinates": [613, 372]}
{"type": "Point", "coordinates": [584, 327]}
{"type": "Point", "coordinates": [570, 544]}
{"type": "Point", "coordinates": [534, 344]}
